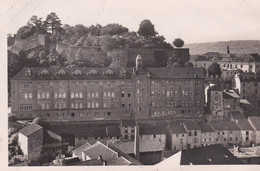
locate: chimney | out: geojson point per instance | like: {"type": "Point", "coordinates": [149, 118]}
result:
{"type": "Point", "coordinates": [136, 144]}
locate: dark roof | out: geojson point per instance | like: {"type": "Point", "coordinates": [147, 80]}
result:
{"type": "Point", "coordinates": [206, 127]}
{"type": "Point", "coordinates": [178, 129]}
{"type": "Point", "coordinates": [244, 124]}
{"type": "Point", "coordinates": [149, 130]}
{"type": "Point", "coordinates": [78, 151]}
{"type": "Point", "coordinates": [236, 115]}
{"type": "Point", "coordinates": [156, 73]}
{"type": "Point", "coordinates": [126, 156]}
{"type": "Point", "coordinates": [256, 122]}
{"type": "Point", "coordinates": [215, 88]}
{"type": "Point", "coordinates": [191, 125]}
{"type": "Point", "coordinates": [256, 56]}
{"type": "Point", "coordinates": [145, 146]}
{"type": "Point", "coordinates": [126, 123]}
{"type": "Point", "coordinates": [30, 129]}
{"type": "Point", "coordinates": [113, 131]}
{"type": "Point", "coordinates": [225, 125]}
{"type": "Point", "coordinates": [91, 162]}
{"type": "Point", "coordinates": [202, 156]}
{"type": "Point", "coordinates": [99, 149]}
{"type": "Point", "coordinates": [118, 161]}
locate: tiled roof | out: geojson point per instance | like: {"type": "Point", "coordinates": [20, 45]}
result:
{"type": "Point", "coordinates": [177, 129]}
{"type": "Point", "coordinates": [191, 125]}
{"type": "Point", "coordinates": [244, 124]}
{"type": "Point", "coordinates": [230, 94]}
{"type": "Point", "coordinates": [99, 149]}
{"type": "Point", "coordinates": [213, 154]}
{"type": "Point", "coordinates": [215, 56]}
{"type": "Point", "coordinates": [225, 125]}
{"type": "Point", "coordinates": [170, 72]}
{"type": "Point", "coordinates": [206, 127]}
{"type": "Point", "coordinates": [30, 129]}
{"type": "Point", "coordinates": [148, 130]}
{"type": "Point", "coordinates": [118, 161]}
{"type": "Point", "coordinates": [145, 146]}
{"type": "Point", "coordinates": [256, 122]}
{"type": "Point", "coordinates": [78, 151]}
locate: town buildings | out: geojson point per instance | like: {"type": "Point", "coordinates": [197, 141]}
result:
{"type": "Point", "coordinates": [84, 94]}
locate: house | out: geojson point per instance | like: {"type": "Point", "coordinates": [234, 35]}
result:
{"type": "Point", "coordinates": [177, 137]}
{"type": "Point", "coordinates": [30, 140]}
{"type": "Point", "coordinates": [151, 133]}
{"type": "Point", "coordinates": [151, 151]}
{"type": "Point", "coordinates": [255, 123]}
{"type": "Point", "coordinates": [97, 94]}
{"type": "Point", "coordinates": [248, 86]}
{"type": "Point", "coordinates": [208, 155]}
{"type": "Point", "coordinates": [99, 149]}
{"type": "Point", "coordinates": [227, 133]}
{"type": "Point", "coordinates": [77, 152]}
{"type": "Point", "coordinates": [247, 132]}
{"type": "Point", "coordinates": [207, 134]}
{"type": "Point", "coordinates": [215, 102]}
{"type": "Point", "coordinates": [194, 134]}
{"type": "Point", "coordinates": [231, 102]}
{"type": "Point", "coordinates": [127, 129]}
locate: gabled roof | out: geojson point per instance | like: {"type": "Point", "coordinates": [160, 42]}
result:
{"type": "Point", "coordinates": [30, 129]}
{"type": "Point", "coordinates": [255, 122]}
{"type": "Point", "coordinates": [144, 145]}
{"type": "Point", "coordinates": [212, 154]}
{"type": "Point", "coordinates": [225, 125]}
{"type": "Point", "coordinates": [191, 125]}
{"type": "Point", "coordinates": [78, 151]}
{"type": "Point", "coordinates": [126, 123]}
{"type": "Point", "coordinates": [97, 73]}
{"type": "Point", "coordinates": [99, 149]}
{"type": "Point", "coordinates": [149, 130]}
{"type": "Point", "coordinates": [206, 127]}
{"type": "Point", "coordinates": [244, 124]}
{"type": "Point", "coordinates": [178, 129]}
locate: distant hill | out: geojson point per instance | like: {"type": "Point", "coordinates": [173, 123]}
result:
{"type": "Point", "coordinates": [238, 46]}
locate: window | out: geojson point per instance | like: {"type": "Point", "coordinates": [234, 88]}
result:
{"type": "Point", "coordinates": [247, 132]}
{"type": "Point", "coordinates": [123, 94]}
{"type": "Point", "coordinates": [189, 133]}
{"type": "Point", "coordinates": [112, 94]}
{"type": "Point", "coordinates": [47, 95]}
{"type": "Point", "coordinates": [123, 105]}
{"type": "Point", "coordinates": [177, 135]}
{"type": "Point", "coordinates": [72, 114]}
{"type": "Point", "coordinates": [80, 114]}
{"type": "Point", "coordinates": [80, 95]}
{"type": "Point", "coordinates": [247, 138]}
{"type": "Point", "coordinates": [195, 133]}
{"type": "Point", "coordinates": [128, 94]}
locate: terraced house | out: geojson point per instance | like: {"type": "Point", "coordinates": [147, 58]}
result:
{"type": "Point", "coordinates": [82, 94]}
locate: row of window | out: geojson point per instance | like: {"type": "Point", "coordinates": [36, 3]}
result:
{"type": "Point", "coordinates": [25, 95]}
{"type": "Point", "coordinates": [25, 106]}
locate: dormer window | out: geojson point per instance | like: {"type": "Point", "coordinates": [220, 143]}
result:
{"type": "Point", "coordinates": [109, 72]}
{"type": "Point", "coordinates": [61, 72]}
{"type": "Point", "coordinates": [28, 72]}
{"type": "Point", "coordinates": [123, 72]}
{"type": "Point", "coordinates": [92, 72]}
{"type": "Point", "coordinates": [44, 72]}
{"type": "Point", "coordinates": [77, 72]}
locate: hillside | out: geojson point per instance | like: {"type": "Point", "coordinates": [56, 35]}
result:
{"type": "Point", "coordinates": [239, 46]}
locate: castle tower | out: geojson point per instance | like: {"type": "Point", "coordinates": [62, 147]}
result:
{"type": "Point", "coordinates": [139, 62]}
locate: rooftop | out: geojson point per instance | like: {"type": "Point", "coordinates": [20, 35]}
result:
{"type": "Point", "coordinates": [191, 125]}
{"type": "Point", "coordinates": [178, 129]}
{"type": "Point", "coordinates": [94, 73]}
{"type": "Point", "coordinates": [30, 129]}
{"type": "Point", "coordinates": [213, 154]}
{"type": "Point", "coordinates": [244, 124]}
{"type": "Point", "coordinates": [118, 161]}
{"type": "Point", "coordinates": [256, 122]}
{"type": "Point", "coordinates": [145, 146]}
{"type": "Point", "coordinates": [230, 94]}
{"type": "Point", "coordinates": [149, 130]}
{"type": "Point", "coordinates": [78, 151]}
{"type": "Point", "coordinates": [225, 125]}
{"type": "Point", "coordinates": [99, 149]}
{"type": "Point", "coordinates": [206, 127]}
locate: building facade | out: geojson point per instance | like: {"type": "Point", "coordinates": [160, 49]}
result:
{"type": "Point", "coordinates": [78, 94]}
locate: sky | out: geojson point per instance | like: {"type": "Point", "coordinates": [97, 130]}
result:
{"type": "Point", "coordinates": [195, 21]}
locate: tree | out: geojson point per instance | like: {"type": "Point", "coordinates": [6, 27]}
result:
{"type": "Point", "coordinates": [146, 29]}
{"type": "Point", "coordinates": [188, 65]}
{"type": "Point", "coordinates": [113, 29]}
{"type": "Point", "coordinates": [107, 43]}
{"type": "Point", "coordinates": [214, 69]}
{"type": "Point", "coordinates": [178, 42]}
{"type": "Point", "coordinates": [52, 23]}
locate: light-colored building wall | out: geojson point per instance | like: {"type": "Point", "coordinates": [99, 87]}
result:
{"type": "Point", "coordinates": [23, 143]}
{"type": "Point", "coordinates": [179, 141]}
